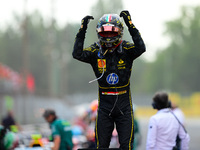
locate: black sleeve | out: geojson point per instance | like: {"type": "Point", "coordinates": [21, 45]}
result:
{"type": "Point", "coordinates": [139, 47]}
{"type": "Point", "coordinates": [79, 52]}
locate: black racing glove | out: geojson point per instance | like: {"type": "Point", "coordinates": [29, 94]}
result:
{"type": "Point", "coordinates": [85, 22]}
{"type": "Point", "coordinates": [127, 18]}
{"type": "Point", "coordinates": [132, 29]}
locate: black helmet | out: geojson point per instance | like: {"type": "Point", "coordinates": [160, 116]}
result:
{"type": "Point", "coordinates": [110, 30]}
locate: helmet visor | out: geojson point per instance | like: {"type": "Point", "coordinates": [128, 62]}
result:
{"type": "Point", "coordinates": [108, 34]}
{"type": "Point", "coordinates": [108, 31]}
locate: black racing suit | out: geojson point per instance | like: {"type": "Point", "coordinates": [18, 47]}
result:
{"type": "Point", "coordinates": [115, 104]}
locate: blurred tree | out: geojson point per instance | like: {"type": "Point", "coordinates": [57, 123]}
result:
{"type": "Point", "coordinates": [38, 60]}
{"type": "Point", "coordinates": [11, 46]}
{"type": "Point", "coordinates": [10, 54]}
{"type": "Point", "coordinates": [177, 66]}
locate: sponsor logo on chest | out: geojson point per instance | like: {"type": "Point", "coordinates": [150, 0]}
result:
{"type": "Point", "coordinates": [101, 65]}
{"type": "Point", "coordinates": [112, 79]}
{"type": "Point", "coordinates": [121, 64]}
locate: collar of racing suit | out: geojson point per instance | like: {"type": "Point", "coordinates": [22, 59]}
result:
{"type": "Point", "coordinates": [118, 47]}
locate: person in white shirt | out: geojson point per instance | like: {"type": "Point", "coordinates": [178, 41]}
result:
{"type": "Point", "coordinates": [164, 127]}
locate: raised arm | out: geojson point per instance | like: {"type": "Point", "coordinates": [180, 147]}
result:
{"type": "Point", "coordinates": [139, 47]}
{"type": "Point", "coordinates": [79, 41]}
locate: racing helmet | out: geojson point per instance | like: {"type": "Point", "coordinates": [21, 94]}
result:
{"type": "Point", "coordinates": [110, 30]}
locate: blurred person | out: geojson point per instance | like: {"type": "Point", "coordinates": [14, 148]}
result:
{"type": "Point", "coordinates": [164, 127]}
{"type": "Point", "coordinates": [137, 134]}
{"type": "Point", "coordinates": [114, 143]}
{"type": "Point", "coordinates": [2, 135]}
{"type": "Point", "coordinates": [61, 131]}
{"type": "Point", "coordinates": [8, 139]}
{"type": "Point", "coordinates": [9, 122]}
{"type": "Point", "coordinates": [92, 114]}
{"type": "Point", "coordinates": [111, 59]}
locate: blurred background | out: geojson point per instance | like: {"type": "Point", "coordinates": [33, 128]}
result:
{"type": "Point", "coordinates": [37, 70]}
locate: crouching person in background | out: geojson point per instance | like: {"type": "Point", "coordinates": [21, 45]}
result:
{"type": "Point", "coordinates": [61, 131]}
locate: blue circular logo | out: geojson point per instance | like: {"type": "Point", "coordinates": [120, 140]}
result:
{"type": "Point", "coordinates": [112, 78]}
{"type": "Point", "coordinates": [100, 55]}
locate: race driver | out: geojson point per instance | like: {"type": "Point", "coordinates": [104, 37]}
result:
{"type": "Point", "coordinates": [111, 59]}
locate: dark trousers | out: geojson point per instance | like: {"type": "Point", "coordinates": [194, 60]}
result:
{"type": "Point", "coordinates": [124, 125]}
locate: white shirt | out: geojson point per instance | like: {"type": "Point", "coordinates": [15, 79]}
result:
{"type": "Point", "coordinates": [179, 114]}
{"type": "Point", "coordinates": [162, 132]}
